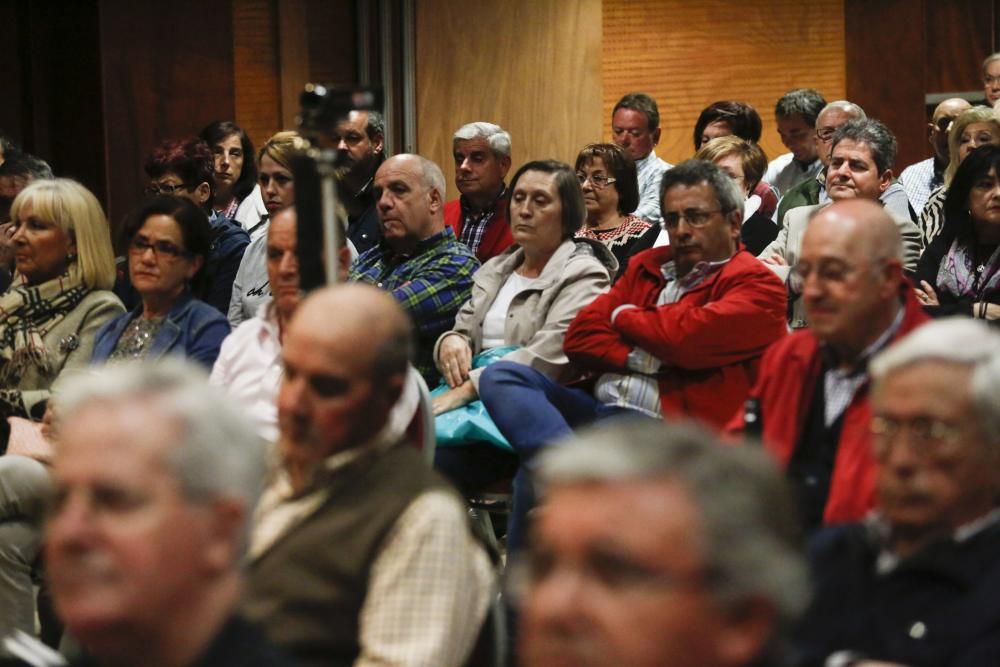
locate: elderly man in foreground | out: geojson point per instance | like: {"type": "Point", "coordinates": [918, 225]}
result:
{"type": "Point", "coordinates": [657, 546]}
{"type": "Point", "coordinates": [360, 555]}
{"type": "Point", "coordinates": [918, 583]}
{"type": "Point", "coordinates": [156, 477]}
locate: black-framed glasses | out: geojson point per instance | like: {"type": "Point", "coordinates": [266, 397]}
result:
{"type": "Point", "coordinates": [140, 245]}
{"type": "Point", "coordinates": [599, 181]}
{"type": "Point", "coordinates": [825, 134]}
{"type": "Point", "coordinates": [166, 188]}
{"type": "Point", "coordinates": [943, 124]}
{"type": "Point", "coordinates": [693, 216]}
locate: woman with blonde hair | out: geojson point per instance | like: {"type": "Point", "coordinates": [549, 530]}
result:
{"type": "Point", "coordinates": [60, 295]}
{"type": "Point", "coordinates": [974, 127]}
{"type": "Point", "coordinates": [277, 188]}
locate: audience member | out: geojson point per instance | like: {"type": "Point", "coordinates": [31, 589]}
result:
{"type": "Point", "coordinates": [920, 179]}
{"type": "Point", "coordinates": [406, 582]}
{"type": "Point", "coordinates": [679, 335]}
{"type": "Point", "coordinates": [728, 117]}
{"type": "Point", "coordinates": [526, 298]}
{"type": "Point", "coordinates": [795, 114]}
{"type": "Point", "coordinates": [360, 140]}
{"type": "Point", "coordinates": [184, 167]}
{"type": "Point", "coordinates": [418, 259]}
{"type": "Point", "coordinates": [169, 242]}
{"type": "Point", "coordinates": [608, 219]}
{"type": "Point", "coordinates": [972, 128]}
{"type": "Point", "coordinates": [155, 481]}
{"type": "Point", "coordinates": [635, 126]}
{"type": "Point", "coordinates": [60, 296]}
{"type": "Point", "coordinates": [16, 172]}
{"type": "Point", "coordinates": [860, 167]}
{"type": "Point", "coordinates": [479, 216]}
{"type": "Point", "coordinates": [658, 546]}
{"type": "Point", "coordinates": [235, 173]}
{"type": "Point", "coordinates": [991, 79]}
{"type": "Point", "coordinates": [274, 166]}
{"type": "Point", "coordinates": [744, 162]}
{"type": "Point", "coordinates": [959, 272]}
{"type": "Point", "coordinates": [811, 395]}
{"type": "Point", "coordinates": [916, 583]}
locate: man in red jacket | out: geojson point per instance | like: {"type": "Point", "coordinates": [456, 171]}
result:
{"type": "Point", "coordinates": [811, 397]}
{"type": "Point", "coordinates": [680, 335]}
{"type": "Point", "coordinates": [479, 216]}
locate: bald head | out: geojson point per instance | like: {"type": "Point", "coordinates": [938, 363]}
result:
{"type": "Point", "coordinates": [951, 107]}
{"type": "Point", "coordinates": [944, 114]}
{"type": "Point", "coordinates": [864, 225]}
{"type": "Point", "coordinates": [409, 195]}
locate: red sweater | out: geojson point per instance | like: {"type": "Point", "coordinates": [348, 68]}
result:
{"type": "Point", "coordinates": [789, 376]}
{"type": "Point", "coordinates": [710, 341]}
{"type": "Point", "coordinates": [496, 237]}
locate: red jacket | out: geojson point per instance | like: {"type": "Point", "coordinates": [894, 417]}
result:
{"type": "Point", "coordinates": [710, 342]}
{"type": "Point", "coordinates": [496, 237]}
{"type": "Point", "coordinates": [789, 375]}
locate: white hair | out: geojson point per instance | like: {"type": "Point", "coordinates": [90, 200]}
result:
{"type": "Point", "coordinates": [218, 454]}
{"type": "Point", "coordinates": [957, 340]}
{"type": "Point", "coordinates": [850, 108]}
{"type": "Point", "coordinates": [497, 137]}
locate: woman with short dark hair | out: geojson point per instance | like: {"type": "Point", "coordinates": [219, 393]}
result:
{"type": "Point", "coordinates": [235, 169]}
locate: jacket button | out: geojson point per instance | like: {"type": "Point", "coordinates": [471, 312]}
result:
{"type": "Point", "coordinates": [918, 630]}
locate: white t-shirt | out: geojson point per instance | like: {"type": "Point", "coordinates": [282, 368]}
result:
{"type": "Point", "coordinates": [496, 316]}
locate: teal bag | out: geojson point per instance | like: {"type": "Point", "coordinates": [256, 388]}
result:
{"type": "Point", "coordinates": [471, 422]}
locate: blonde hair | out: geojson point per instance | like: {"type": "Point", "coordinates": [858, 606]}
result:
{"type": "Point", "coordinates": [965, 119]}
{"type": "Point", "coordinates": [76, 210]}
{"type": "Point", "coordinates": [282, 148]}
{"type": "Point", "coordinates": [752, 156]}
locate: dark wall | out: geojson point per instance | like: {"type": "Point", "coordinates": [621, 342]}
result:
{"type": "Point", "coordinates": [899, 51]}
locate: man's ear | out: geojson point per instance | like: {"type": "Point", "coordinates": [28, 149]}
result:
{"type": "Point", "coordinates": [745, 632]}
{"type": "Point", "coordinates": [504, 165]}
{"type": "Point", "coordinates": [202, 193]}
{"type": "Point", "coordinates": [378, 143]}
{"type": "Point", "coordinates": [656, 135]}
{"type": "Point", "coordinates": [436, 199]}
{"type": "Point", "coordinates": [223, 536]}
{"type": "Point", "coordinates": [735, 220]}
{"type": "Point", "coordinates": [885, 180]}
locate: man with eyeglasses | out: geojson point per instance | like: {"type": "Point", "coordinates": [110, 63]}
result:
{"type": "Point", "coordinates": [861, 160]}
{"type": "Point", "coordinates": [918, 581]}
{"type": "Point", "coordinates": [659, 546]}
{"type": "Point", "coordinates": [810, 402]}
{"type": "Point", "coordinates": [635, 126]}
{"type": "Point", "coordinates": [185, 168]}
{"type": "Point", "coordinates": [920, 179]}
{"type": "Point", "coordinates": [479, 216]}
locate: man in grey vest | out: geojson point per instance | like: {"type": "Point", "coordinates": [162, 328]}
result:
{"type": "Point", "coordinates": [360, 553]}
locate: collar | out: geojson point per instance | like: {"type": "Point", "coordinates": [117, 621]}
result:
{"type": "Point", "coordinates": [698, 273]}
{"type": "Point", "coordinates": [806, 166]}
{"type": "Point", "coordinates": [646, 160]}
{"type": "Point", "coordinates": [467, 208]}
{"type": "Point", "coordinates": [389, 255]}
{"type": "Point", "coordinates": [880, 531]}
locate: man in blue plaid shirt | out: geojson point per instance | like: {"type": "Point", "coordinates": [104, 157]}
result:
{"type": "Point", "coordinates": [418, 259]}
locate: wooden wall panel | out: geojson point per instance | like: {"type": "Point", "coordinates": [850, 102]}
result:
{"type": "Point", "coordinates": [257, 84]}
{"type": "Point", "coordinates": [11, 112]}
{"type": "Point", "coordinates": [532, 66]}
{"type": "Point", "coordinates": [958, 36]}
{"type": "Point", "coordinates": [332, 43]}
{"type": "Point", "coordinates": [690, 54]}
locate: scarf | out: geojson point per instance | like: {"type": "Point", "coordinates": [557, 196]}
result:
{"type": "Point", "coordinates": [27, 314]}
{"type": "Point", "coordinates": [960, 276]}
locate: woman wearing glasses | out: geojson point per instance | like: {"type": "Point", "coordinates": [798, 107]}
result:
{"type": "Point", "coordinates": [169, 240]}
{"type": "Point", "coordinates": [607, 177]}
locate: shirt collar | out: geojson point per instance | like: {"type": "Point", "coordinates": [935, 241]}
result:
{"type": "Point", "coordinates": [466, 208]}
{"type": "Point", "coordinates": [644, 161]}
{"type": "Point", "coordinates": [698, 273]}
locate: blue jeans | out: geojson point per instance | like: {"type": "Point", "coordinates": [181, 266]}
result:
{"type": "Point", "coordinates": [533, 411]}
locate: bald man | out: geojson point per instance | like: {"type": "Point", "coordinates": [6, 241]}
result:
{"type": "Point", "coordinates": [811, 395]}
{"type": "Point", "coordinates": [360, 553]}
{"type": "Point", "coordinates": [418, 260]}
{"type": "Point", "coordinates": [922, 178]}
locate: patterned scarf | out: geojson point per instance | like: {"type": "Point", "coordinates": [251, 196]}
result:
{"type": "Point", "coordinates": [960, 276]}
{"type": "Point", "coordinates": [27, 313]}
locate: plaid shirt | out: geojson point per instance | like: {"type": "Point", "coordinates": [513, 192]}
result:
{"type": "Point", "coordinates": [431, 285]}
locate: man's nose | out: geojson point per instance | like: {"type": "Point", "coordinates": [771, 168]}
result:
{"type": "Point", "coordinates": [341, 144]}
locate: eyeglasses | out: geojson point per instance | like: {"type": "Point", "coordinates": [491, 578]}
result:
{"type": "Point", "coordinates": [927, 435]}
{"type": "Point", "coordinates": [943, 124]}
{"type": "Point", "coordinates": [694, 217]}
{"type": "Point", "coordinates": [166, 188]}
{"type": "Point", "coordinates": [825, 134]}
{"type": "Point", "coordinates": [597, 180]}
{"type": "Point", "coordinates": [139, 245]}
{"type": "Point", "coordinates": [829, 271]}
{"type": "Point", "coordinates": [990, 80]}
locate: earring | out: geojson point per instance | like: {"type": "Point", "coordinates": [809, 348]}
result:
{"type": "Point", "coordinates": [71, 257]}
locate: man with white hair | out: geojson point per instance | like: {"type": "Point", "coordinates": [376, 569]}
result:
{"type": "Point", "coordinates": [918, 582]}
{"type": "Point", "coordinates": [418, 260]}
{"type": "Point", "coordinates": [657, 545]}
{"type": "Point", "coordinates": [156, 477]}
{"type": "Point", "coordinates": [479, 216]}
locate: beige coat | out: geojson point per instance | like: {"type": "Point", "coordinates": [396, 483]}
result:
{"type": "Point", "coordinates": [538, 317]}
{"type": "Point", "coordinates": [69, 345]}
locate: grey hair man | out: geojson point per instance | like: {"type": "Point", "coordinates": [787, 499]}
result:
{"type": "Point", "coordinates": [419, 260]}
{"type": "Point", "coordinates": [479, 216]}
{"type": "Point", "coordinates": [635, 126]}
{"type": "Point", "coordinates": [922, 178]}
{"type": "Point", "coordinates": [795, 114]}
{"type": "Point", "coordinates": [360, 142]}
{"type": "Point", "coordinates": [658, 545]}
{"type": "Point", "coordinates": [361, 554]}
{"type": "Point", "coordinates": [156, 476]}
{"type": "Point", "coordinates": [813, 191]}
{"type": "Point", "coordinates": [918, 582]}
{"type": "Point", "coordinates": [861, 162]}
